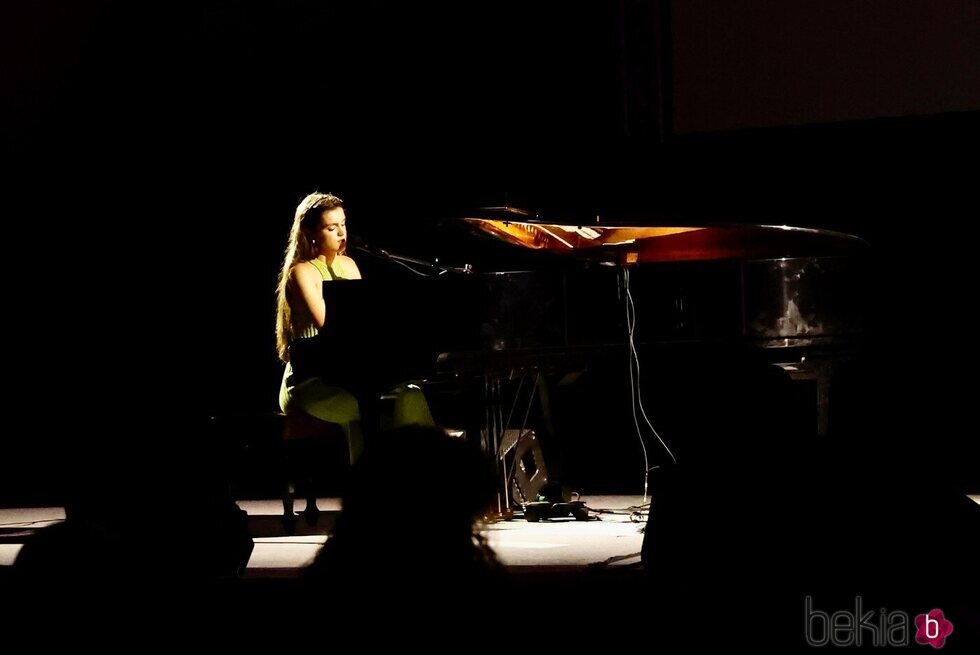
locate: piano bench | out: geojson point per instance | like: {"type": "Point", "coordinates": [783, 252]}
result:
{"type": "Point", "coordinates": [300, 425]}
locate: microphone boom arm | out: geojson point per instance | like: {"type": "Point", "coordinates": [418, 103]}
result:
{"type": "Point", "coordinates": [404, 259]}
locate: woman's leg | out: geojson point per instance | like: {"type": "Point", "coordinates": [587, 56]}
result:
{"type": "Point", "coordinates": [411, 407]}
{"type": "Point", "coordinates": [333, 405]}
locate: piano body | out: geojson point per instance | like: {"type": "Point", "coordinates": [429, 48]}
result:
{"type": "Point", "coordinates": [796, 297]}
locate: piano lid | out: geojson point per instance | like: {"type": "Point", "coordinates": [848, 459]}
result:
{"type": "Point", "coordinates": [631, 244]}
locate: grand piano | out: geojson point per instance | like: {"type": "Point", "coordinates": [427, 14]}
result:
{"type": "Point", "coordinates": [562, 297]}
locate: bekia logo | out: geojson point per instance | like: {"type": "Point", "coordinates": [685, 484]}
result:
{"type": "Point", "coordinates": [932, 628]}
{"type": "Point", "coordinates": [882, 628]}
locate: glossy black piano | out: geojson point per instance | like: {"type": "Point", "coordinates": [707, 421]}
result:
{"type": "Point", "coordinates": [789, 290]}
{"type": "Point", "coordinates": [509, 294]}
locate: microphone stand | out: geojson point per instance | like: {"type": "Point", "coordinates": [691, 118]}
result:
{"type": "Point", "coordinates": [404, 260]}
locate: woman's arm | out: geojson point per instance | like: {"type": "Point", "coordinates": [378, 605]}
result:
{"type": "Point", "coordinates": [307, 281]}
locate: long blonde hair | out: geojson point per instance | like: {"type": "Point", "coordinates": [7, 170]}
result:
{"type": "Point", "coordinates": [299, 248]}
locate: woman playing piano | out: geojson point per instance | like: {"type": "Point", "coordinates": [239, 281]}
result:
{"type": "Point", "coordinates": [315, 254]}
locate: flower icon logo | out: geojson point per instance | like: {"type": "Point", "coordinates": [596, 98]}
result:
{"type": "Point", "coordinates": [932, 628]}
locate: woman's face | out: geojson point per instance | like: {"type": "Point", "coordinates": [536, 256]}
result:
{"type": "Point", "coordinates": [331, 236]}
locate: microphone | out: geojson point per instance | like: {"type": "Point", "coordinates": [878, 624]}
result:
{"type": "Point", "coordinates": [360, 244]}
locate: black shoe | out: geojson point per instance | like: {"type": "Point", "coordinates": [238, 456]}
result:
{"type": "Point", "coordinates": [289, 522]}
{"type": "Point", "coordinates": [311, 514]}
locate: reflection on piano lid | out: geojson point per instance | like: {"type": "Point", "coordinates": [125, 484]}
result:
{"type": "Point", "coordinates": [625, 244]}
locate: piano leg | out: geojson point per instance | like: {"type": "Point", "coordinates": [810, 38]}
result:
{"type": "Point", "coordinates": [492, 434]}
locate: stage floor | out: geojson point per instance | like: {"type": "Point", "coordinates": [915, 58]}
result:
{"type": "Point", "coordinates": [611, 539]}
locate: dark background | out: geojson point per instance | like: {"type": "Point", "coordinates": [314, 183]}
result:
{"type": "Point", "coordinates": [155, 155]}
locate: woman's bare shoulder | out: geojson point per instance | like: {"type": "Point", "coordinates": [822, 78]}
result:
{"type": "Point", "coordinates": [350, 266]}
{"type": "Point", "coordinates": [303, 270]}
